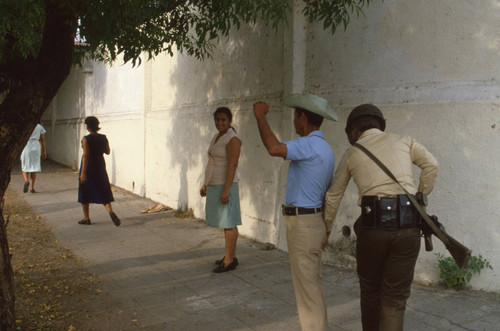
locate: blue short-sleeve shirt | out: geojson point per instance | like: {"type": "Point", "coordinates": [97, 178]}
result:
{"type": "Point", "coordinates": [310, 172]}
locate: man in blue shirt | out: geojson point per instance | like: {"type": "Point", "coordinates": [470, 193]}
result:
{"type": "Point", "coordinates": [309, 176]}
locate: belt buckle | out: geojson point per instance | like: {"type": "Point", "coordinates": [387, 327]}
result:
{"type": "Point", "coordinates": [284, 210]}
{"type": "Point", "coordinates": [290, 213]}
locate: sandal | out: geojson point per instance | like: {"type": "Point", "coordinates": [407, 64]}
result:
{"type": "Point", "coordinates": [26, 186]}
{"type": "Point", "coordinates": [223, 268]}
{"type": "Point", "coordinates": [155, 209]}
{"type": "Point", "coordinates": [85, 222]}
{"type": "Point", "coordinates": [221, 261]}
{"type": "Point", "coordinates": [114, 218]}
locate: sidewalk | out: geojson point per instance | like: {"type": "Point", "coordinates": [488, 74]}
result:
{"type": "Point", "coordinates": [158, 270]}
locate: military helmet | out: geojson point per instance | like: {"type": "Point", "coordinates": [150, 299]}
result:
{"type": "Point", "coordinates": [365, 110]}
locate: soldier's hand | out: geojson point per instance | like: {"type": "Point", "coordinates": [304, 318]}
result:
{"type": "Point", "coordinates": [260, 109]}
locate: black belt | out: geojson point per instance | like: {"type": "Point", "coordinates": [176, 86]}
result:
{"type": "Point", "coordinates": [294, 211]}
{"type": "Point", "coordinates": [389, 213]}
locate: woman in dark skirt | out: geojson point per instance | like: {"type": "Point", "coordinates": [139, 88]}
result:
{"type": "Point", "coordinates": [94, 184]}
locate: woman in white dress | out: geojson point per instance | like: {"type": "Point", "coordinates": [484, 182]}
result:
{"type": "Point", "coordinates": [30, 157]}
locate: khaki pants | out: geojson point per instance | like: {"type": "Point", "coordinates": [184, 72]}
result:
{"type": "Point", "coordinates": [385, 264]}
{"type": "Point", "coordinates": [305, 234]}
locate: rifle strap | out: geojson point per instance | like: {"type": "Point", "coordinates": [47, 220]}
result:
{"type": "Point", "coordinates": [437, 231]}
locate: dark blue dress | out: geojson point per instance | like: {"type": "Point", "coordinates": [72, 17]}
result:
{"type": "Point", "coordinates": [97, 188]}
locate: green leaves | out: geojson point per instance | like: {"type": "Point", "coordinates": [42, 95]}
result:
{"type": "Point", "coordinates": [131, 27]}
{"type": "Point", "coordinates": [454, 277]}
{"type": "Point", "coordinates": [21, 26]}
{"type": "Point", "coordinates": [110, 28]}
{"type": "Point", "coordinates": [333, 13]}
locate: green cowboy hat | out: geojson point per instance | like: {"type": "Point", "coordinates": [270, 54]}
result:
{"type": "Point", "coordinates": [313, 103]}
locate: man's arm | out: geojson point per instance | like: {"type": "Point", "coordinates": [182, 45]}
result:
{"type": "Point", "coordinates": [429, 165]}
{"type": "Point", "coordinates": [334, 196]}
{"type": "Point", "coordinates": [272, 144]}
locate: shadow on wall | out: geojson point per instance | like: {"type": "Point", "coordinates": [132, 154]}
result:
{"type": "Point", "coordinates": [63, 119]}
{"type": "Point", "coordinates": [246, 67]}
{"type": "Point", "coordinates": [113, 167]}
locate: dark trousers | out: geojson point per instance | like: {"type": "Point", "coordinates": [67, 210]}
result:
{"type": "Point", "coordinates": [385, 265]}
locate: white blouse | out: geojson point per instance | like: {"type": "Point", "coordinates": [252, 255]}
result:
{"type": "Point", "coordinates": [215, 172]}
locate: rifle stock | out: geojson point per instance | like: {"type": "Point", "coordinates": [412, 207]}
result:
{"type": "Point", "coordinates": [459, 252]}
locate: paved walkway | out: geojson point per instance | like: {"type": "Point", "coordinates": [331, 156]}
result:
{"type": "Point", "coordinates": [158, 268]}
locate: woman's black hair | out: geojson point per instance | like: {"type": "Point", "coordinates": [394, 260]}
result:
{"type": "Point", "coordinates": [93, 123]}
{"type": "Point", "coordinates": [227, 111]}
{"type": "Point", "coordinates": [224, 110]}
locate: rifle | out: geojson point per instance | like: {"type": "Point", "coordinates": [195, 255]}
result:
{"type": "Point", "coordinates": [459, 252]}
{"type": "Point", "coordinates": [426, 230]}
{"type": "Point", "coordinates": [431, 225]}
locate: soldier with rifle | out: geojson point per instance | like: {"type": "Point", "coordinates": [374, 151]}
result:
{"type": "Point", "coordinates": [388, 230]}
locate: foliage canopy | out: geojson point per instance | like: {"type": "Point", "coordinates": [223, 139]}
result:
{"type": "Point", "coordinates": [108, 28]}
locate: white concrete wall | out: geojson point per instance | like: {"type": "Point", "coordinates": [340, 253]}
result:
{"type": "Point", "coordinates": [184, 94]}
{"type": "Point", "coordinates": [432, 66]}
{"type": "Point", "coordinates": [158, 119]}
{"type": "Point", "coordinates": [115, 96]}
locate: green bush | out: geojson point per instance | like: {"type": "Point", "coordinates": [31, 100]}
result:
{"type": "Point", "coordinates": [454, 277]}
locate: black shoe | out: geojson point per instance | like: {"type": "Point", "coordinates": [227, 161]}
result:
{"type": "Point", "coordinates": [85, 222]}
{"type": "Point", "coordinates": [219, 262]}
{"type": "Point", "coordinates": [26, 186]}
{"type": "Point", "coordinates": [33, 191]}
{"type": "Point", "coordinates": [114, 218]}
{"type": "Point", "coordinates": [223, 268]}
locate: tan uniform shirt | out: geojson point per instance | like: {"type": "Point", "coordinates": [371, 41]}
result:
{"type": "Point", "coordinates": [397, 153]}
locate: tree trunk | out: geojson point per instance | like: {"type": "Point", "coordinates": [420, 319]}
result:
{"type": "Point", "coordinates": [7, 298]}
{"type": "Point", "coordinates": [20, 111]}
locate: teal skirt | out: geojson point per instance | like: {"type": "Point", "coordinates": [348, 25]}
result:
{"type": "Point", "coordinates": [221, 216]}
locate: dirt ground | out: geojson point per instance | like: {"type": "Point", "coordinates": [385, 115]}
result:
{"type": "Point", "coordinates": [53, 289]}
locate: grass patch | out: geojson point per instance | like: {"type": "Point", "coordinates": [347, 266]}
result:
{"type": "Point", "coordinates": [184, 212]}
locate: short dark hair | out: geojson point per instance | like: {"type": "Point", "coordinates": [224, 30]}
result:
{"type": "Point", "coordinates": [312, 118]}
{"type": "Point", "coordinates": [93, 123]}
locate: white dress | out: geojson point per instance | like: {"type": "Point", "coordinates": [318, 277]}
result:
{"type": "Point", "coordinates": [30, 157]}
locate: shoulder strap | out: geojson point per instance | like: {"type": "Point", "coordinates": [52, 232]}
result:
{"type": "Point", "coordinates": [380, 164]}
{"type": "Point", "coordinates": [415, 203]}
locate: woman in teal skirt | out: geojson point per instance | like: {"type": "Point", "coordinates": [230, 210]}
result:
{"type": "Point", "coordinates": [221, 186]}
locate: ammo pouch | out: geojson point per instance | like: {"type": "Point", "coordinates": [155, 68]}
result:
{"type": "Point", "coordinates": [388, 213]}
